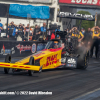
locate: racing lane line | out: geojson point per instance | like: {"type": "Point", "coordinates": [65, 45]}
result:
{"type": "Point", "coordinates": [36, 81]}
{"type": "Point", "coordinates": [4, 77]}
{"type": "Point", "coordinates": [83, 95]}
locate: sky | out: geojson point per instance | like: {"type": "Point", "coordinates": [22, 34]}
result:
{"type": "Point", "coordinates": [92, 11]}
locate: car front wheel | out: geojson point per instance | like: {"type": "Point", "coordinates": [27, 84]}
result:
{"type": "Point", "coordinates": [7, 60]}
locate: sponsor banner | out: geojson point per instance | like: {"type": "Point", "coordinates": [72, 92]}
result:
{"type": "Point", "coordinates": [7, 51]}
{"type": "Point", "coordinates": [20, 49]}
{"type": "Point", "coordinates": [40, 46]}
{"type": "Point", "coordinates": [33, 49]}
{"type": "Point", "coordinates": [75, 16]}
{"type": "Point", "coordinates": [32, 1]}
{"type": "Point", "coordinates": [82, 2]}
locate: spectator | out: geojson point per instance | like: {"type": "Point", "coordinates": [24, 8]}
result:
{"type": "Point", "coordinates": [13, 25]}
{"type": "Point", "coordinates": [36, 33]}
{"type": "Point", "coordinates": [20, 30]}
{"type": "Point", "coordinates": [43, 30]}
{"type": "Point", "coordinates": [23, 26]}
{"type": "Point", "coordinates": [49, 34]}
{"type": "Point", "coordinates": [66, 30]}
{"type": "Point", "coordinates": [58, 28]}
{"type": "Point", "coordinates": [52, 36]}
{"type": "Point", "coordinates": [83, 31]}
{"type": "Point", "coordinates": [58, 37]}
{"type": "Point", "coordinates": [26, 30]}
{"type": "Point", "coordinates": [1, 27]}
{"type": "Point", "coordinates": [12, 29]}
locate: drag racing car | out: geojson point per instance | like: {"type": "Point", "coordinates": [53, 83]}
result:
{"type": "Point", "coordinates": [53, 56]}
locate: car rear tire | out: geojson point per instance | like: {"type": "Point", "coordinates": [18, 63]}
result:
{"type": "Point", "coordinates": [7, 60]}
{"type": "Point", "coordinates": [83, 62]}
{"type": "Point", "coordinates": [31, 62]}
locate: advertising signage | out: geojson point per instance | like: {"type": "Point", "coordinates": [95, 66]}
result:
{"type": "Point", "coordinates": [76, 16]}
{"type": "Point", "coordinates": [85, 3]}
{"type": "Point", "coordinates": [32, 1]}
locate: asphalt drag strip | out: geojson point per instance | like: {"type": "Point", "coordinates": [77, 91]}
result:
{"type": "Point", "coordinates": [65, 84]}
{"type": "Point", "coordinates": [92, 95]}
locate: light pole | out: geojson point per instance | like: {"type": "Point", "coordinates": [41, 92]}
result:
{"type": "Point", "coordinates": [95, 18]}
{"type": "Point", "coordinates": [29, 17]}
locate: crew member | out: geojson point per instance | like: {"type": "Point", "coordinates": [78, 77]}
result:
{"type": "Point", "coordinates": [82, 31]}
{"type": "Point", "coordinates": [87, 40]}
{"type": "Point", "coordinates": [88, 36]}
{"type": "Point", "coordinates": [95, 37]}
{"type": "Point", "coordinates": [76, 36]}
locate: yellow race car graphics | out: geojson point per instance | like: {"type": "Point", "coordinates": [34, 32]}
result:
{"type": "Point", "coordinates": [48, 58]}
{"type": "Point", "coordinates": [54, 55]}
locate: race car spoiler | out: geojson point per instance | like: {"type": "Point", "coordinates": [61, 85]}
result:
{"type": "Point", "coordinates": [18, 66]}
{"type": "Point", "coordinates": [76, 16]}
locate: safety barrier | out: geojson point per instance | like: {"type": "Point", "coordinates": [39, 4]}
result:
{"type": "Point", "coordinates": [20, 48]}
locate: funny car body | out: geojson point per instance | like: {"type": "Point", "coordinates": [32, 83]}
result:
{"type": "Point", "coordinates": [53, 56]}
